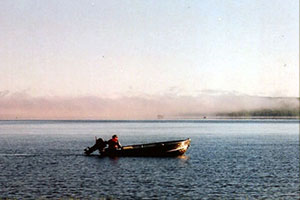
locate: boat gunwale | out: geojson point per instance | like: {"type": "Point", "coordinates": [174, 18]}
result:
{"type": "Point", "coordinates": [154, 144]}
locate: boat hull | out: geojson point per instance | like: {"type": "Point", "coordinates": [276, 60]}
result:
{"type": "Point", "coordinates": [160, 149]}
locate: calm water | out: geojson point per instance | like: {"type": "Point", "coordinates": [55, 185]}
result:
{"type": "Point", "coordinates": [252, 159]}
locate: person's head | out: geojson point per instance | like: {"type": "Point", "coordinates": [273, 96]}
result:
{"type": "Point", "coordinates": [115, 137]}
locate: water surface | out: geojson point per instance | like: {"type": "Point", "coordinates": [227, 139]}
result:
{"type": "Point", "coordinates": [233, 159]}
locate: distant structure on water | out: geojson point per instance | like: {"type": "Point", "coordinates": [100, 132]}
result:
{"type": "Point", "coordinates": [160, 116]}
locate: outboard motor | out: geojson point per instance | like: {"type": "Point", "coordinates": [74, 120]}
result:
{"type": "Point", "coordinates": [99, 145]}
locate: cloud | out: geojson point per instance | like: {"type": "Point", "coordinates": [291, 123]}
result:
{"type": "Point", "coordinates": [23, 106]}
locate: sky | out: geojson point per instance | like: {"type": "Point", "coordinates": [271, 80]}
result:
{"type": "Point", "coordinates": [59, 51]}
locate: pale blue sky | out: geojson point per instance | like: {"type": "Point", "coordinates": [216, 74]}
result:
{"type": "Point", "coordinates": [132, 48]}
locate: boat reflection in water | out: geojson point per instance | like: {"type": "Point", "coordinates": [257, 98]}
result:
{"type": "Point", "coordinates": [183, 157]}
{"type": "Point", "coordinates": [158, 149]}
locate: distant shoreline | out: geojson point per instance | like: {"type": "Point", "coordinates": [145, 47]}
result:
{"type": "Point", "coordinates": [167, 120]}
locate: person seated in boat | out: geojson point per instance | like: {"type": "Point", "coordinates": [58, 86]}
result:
{"type": "Point", "coordinates": [114, 143]}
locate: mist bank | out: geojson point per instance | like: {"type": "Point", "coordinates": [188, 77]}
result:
{"type": "Point", "coordinates": [23, 106]}
{"type": "Point", "coordinates": [277, 112]}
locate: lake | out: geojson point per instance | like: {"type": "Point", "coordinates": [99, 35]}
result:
{"type": "Point", "coordinates": [227, 159]}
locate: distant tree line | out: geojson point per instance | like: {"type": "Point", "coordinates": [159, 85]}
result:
{"type": "Point", "coordinates": [263, 113]}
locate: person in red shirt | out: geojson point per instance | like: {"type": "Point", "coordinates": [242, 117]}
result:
{"type": "Point", "coordinates": [114, 143]}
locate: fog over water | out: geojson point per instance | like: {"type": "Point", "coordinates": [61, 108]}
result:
{"type": "Point", "coordinates": [23, 106]}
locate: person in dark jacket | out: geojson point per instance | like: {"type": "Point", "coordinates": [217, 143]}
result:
{"type": "Point", "coordinates": [114, 143]}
